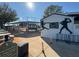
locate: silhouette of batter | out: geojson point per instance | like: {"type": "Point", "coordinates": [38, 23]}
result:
{"type": "Point", "coordinates": [65, 25]}
{"type": "Point", "coordinates": [42, 25]}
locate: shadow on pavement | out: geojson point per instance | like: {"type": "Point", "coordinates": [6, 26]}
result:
{"type": "Point", "coordinates": [62, 48]}
{"type": "Point", "coordinates": [28, 34]}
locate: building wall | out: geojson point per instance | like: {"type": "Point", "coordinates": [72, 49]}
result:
{"type": "Point", "coordinates": [51, 33]}
{"type": "Point", "coordinates": [76, 29]}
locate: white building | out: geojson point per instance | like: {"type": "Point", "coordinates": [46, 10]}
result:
{"type": "Point", "coordinates": [53, 23]}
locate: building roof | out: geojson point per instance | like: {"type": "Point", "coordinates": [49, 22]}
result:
{"type": "Point", "coordinates": [73, 14]}
{"type": "Point", "coordinates": [63, 14]}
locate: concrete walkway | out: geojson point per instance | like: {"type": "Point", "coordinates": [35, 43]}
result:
{"type": "Point", "coordinates": [35, 47]}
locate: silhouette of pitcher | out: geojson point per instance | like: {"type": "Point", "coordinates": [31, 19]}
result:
{"type": "Point", "coordinates": [65, 25]}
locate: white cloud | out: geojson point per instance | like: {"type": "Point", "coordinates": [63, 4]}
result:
{"type": "Point", "coordinates": [29, 19]}
{"type": "Point", "coordinates": [20, 18]}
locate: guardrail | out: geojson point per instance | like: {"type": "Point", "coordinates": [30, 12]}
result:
{"type": "Point", "coordinates": [68, 37]}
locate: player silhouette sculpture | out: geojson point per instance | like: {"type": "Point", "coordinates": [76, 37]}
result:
{"type": "Point", "coordinates": [65, 25]}
{"type": "Point", "coordinates": [42, 25]}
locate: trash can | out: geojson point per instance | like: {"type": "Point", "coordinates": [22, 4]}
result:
{"type": "Point", "coordinates": [23, 49]}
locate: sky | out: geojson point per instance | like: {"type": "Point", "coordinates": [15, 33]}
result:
{"type": "Point", "coordinates": [34, 11]}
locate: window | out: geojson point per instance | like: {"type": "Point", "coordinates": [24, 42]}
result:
{"type": "Point", "coordinates": [76, 20]}
{"type": "Point", "coordinates": [77, 26]}
{"type": "Point", "coordinates": [54, 25]}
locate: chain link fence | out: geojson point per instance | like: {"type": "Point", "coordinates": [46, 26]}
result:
{"type": "Point", "coordinates": [8, 51]}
